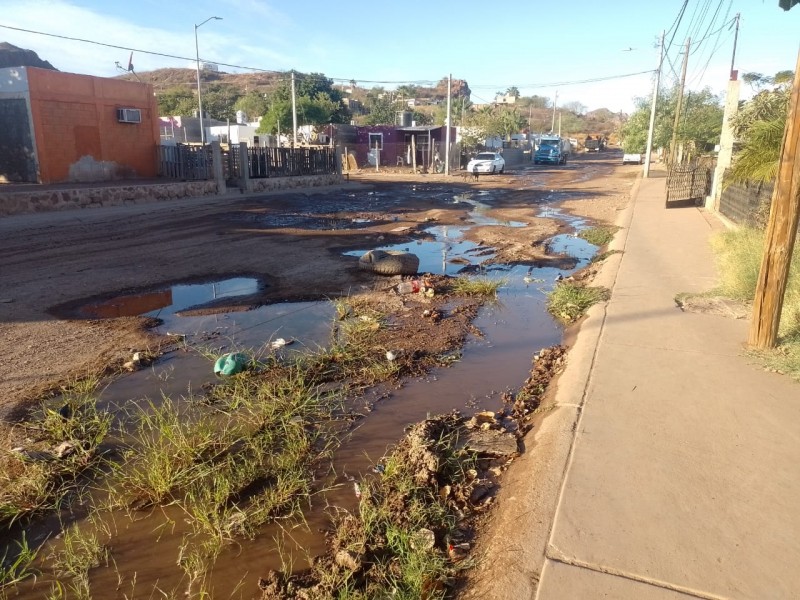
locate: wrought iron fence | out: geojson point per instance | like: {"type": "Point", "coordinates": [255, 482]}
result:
{"type": "Point", "coordinates": [287, 162]}
{"type": "Point", "coordinates": [687, 184]}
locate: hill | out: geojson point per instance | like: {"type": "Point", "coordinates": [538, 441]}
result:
{"type": "Point", "coordinates": [164, 79]}
{"type": "Point", "coordinates": [12, 56]}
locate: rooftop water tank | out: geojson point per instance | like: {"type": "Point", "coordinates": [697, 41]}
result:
{"type": "Point", "coordinates": [403, 118]}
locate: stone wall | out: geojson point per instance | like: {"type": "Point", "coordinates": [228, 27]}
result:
{"type": "Point", "coordinates": [42, 199]}
{"type": "Point", "coordinates": [284, 183]}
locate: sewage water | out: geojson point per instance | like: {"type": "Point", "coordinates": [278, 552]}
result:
{"type": "Point", "coordinates": [514, 329]}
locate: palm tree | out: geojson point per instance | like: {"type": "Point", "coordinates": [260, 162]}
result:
{"type": "Point", "coordinates": [759, 128]}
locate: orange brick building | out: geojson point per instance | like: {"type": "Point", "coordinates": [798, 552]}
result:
{"type": "Point", "coordinates": [63, 127]}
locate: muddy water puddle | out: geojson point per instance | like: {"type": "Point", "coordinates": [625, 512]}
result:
{"type": "Point", "coordinates": [167, 301]}
{"type": "Point", "coordinates": [514, 328]}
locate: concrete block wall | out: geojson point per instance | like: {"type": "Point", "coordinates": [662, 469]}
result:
{"type": "Point", "coordinates": [744, 204]}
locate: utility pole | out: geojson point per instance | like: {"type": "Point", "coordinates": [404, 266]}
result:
{"type": "Point", "coordinates": [649, 149]}
{"type": "Point", "coordinates": [447, 133]}
{"type": "Point", "coordinates": [735, 39]}
{"type": "Point", "coordinates": [781, 231]}
{"type": "Point", "coordinates": [553, 120]}
{"type": "Point", "coordinates": [294, 115]}
{"type": "Point", "coordinates": [674, 147]}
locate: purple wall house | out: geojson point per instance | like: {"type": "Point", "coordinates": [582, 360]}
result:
{"type": "Point", "coordinates": [394, 144]}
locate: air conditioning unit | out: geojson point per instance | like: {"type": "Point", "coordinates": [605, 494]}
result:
{"type": "Point", "coordinates": [129, 115]}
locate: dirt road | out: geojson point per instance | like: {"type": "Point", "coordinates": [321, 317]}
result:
{"type": "Point", "coordinates": [293, 243]}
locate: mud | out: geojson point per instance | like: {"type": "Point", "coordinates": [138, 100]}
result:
{"type": "Point", "coordinates": [295, 250]}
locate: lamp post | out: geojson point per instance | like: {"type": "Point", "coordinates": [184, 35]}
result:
{"type": "Point", "coordinates": [199, 94]}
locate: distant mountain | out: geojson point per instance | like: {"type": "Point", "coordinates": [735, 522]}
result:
{"type": "Point", "coordinates": [165, 79]}
{"type": "Point", "coordinates": [11, 56]}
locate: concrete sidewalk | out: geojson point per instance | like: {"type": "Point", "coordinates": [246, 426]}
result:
{"type": "Point", "coordinates": [684, 475]}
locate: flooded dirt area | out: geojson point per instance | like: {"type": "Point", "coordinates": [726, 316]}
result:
{"type": "Point", "coordinates": [194, 392]}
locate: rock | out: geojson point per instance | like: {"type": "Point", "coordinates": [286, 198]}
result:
{"type": "Point", "coordinates": [486, 416]}
{"type": "Point", "coordinates": [490, 442]}
{"type": "Point", "coordinates": [346, 560]}
{"type": "Point", "coordinates": [423, 539]}
{"type": "Point", "coordinates": [444, 492]}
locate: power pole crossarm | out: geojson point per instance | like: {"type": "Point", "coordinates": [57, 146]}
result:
{"type": "Point", "coordinates": [781, 231]}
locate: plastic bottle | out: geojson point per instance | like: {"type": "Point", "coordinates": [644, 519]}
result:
{"type": "Point", "coordinates": [408, 287]}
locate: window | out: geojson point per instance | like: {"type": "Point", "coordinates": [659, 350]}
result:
{"type": "Point", "coordinates": [376, 138]}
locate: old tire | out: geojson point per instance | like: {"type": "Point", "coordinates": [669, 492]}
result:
{"type": "Point", "coordinates": [389, 263]}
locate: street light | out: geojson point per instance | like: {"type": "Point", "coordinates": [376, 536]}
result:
{"type": "Point", "coordinates": [199, 95]}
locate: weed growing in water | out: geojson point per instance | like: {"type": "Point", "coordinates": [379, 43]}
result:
{"type": "Point", "coordinates": [477, 286]}
{"type": "Point", "coordinates": [16, 567]}
{"type": "Point", "coordinates": [603, 255]}
{"type": "Point", "coordinates": [401, 543]}
{"type": "Point", "coordinates": [64, 444]}
{"type": "Point", "coordinates": [598, 236]}
{"type": "Point", "coordinates": [569, 301]}
{"type": "Point", "coordinates": [80, 552]}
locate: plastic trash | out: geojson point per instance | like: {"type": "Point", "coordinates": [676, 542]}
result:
{"type": "Point", "coordinates": [230, 364]}
{"type": "Point", "coordinates": [409, 287]}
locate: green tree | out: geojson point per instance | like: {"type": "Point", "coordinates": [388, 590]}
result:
{"type": "Point", "coordinates": [381, 110]}
{"type": "Point", "coordinates": [317, 102]}
{"type": "Point", "coordinates": [177, 101]}
{"type": "Point", "coordinates": [513, 91]}
{"type": "Point", "coordinates": [219, 101]}
{"type": "Point", "coordinates": [254, 105]}
{"type": "Point", "coordinates": [701, 121]}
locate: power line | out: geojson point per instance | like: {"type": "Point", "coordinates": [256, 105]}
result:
{"type": "Point", "coordinates": [561, 83]}
{"type": "Point", "coordinates": [193, 59]}
{"type": "Point", "coordinates": [285, 74]}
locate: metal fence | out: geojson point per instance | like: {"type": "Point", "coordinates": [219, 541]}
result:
{"type": "Point", "coordinates": [195, 162]}
{"type": "Point", "coordinates": [287, 162]}
{"type": "Point", "coordinates": [687, 184]}
{"type": "Point", "coordinates": [185, 162]}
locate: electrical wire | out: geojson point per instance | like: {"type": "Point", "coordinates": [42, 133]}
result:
{"type": "Point", "coordinates": [286, 74]}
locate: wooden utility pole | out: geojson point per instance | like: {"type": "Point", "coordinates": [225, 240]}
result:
{"type": "Point", "coordinates": [781, 231]}
{"type": "Point", "coordinates": [651, 129]}
{"type": "Point", "coordinates": [678, 108]}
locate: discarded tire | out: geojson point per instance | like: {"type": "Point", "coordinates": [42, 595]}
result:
{"type": "Point", "coordinates": [389, 263]}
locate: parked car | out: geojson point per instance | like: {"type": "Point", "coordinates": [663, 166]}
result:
{"type": "Point", "coordinates": [632, 159]}
{"type": "Point", "coordinates": [487, 162]}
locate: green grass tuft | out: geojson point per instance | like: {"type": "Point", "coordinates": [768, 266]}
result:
{"type": "Point", "coordinates": [599, 236]}
{"type": "Point", "coordinates": [569, 301]}
{"type": "Point", "coordinates": [477, 286]}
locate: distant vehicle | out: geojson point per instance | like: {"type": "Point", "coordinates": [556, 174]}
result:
{"type": "Point", "coordinates": [552, 149]}
{"type": "Point", "coordinates": [597, 144]}
{"type": "Point", "coordinates": [487, 162]}
{"type": "Point", "coordinates": [632, 159]}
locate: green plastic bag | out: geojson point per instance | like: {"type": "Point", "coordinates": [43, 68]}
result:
{"type": "Point", "coordinates": [230, 364]}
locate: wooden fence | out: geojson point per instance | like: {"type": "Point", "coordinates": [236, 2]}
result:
{"type": "Point", "coordinates": [188, 163]}
{"type": "Point", "coordinates": [195, 162]}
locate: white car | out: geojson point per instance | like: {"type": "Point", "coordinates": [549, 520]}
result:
{"type": "Point", "coordinates": [632, 159]}
{"type": "Point", "coordinates": [487, 162]}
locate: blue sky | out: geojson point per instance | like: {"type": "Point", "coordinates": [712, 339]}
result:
{"type": "Point", "coordinates": [539, 47]}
